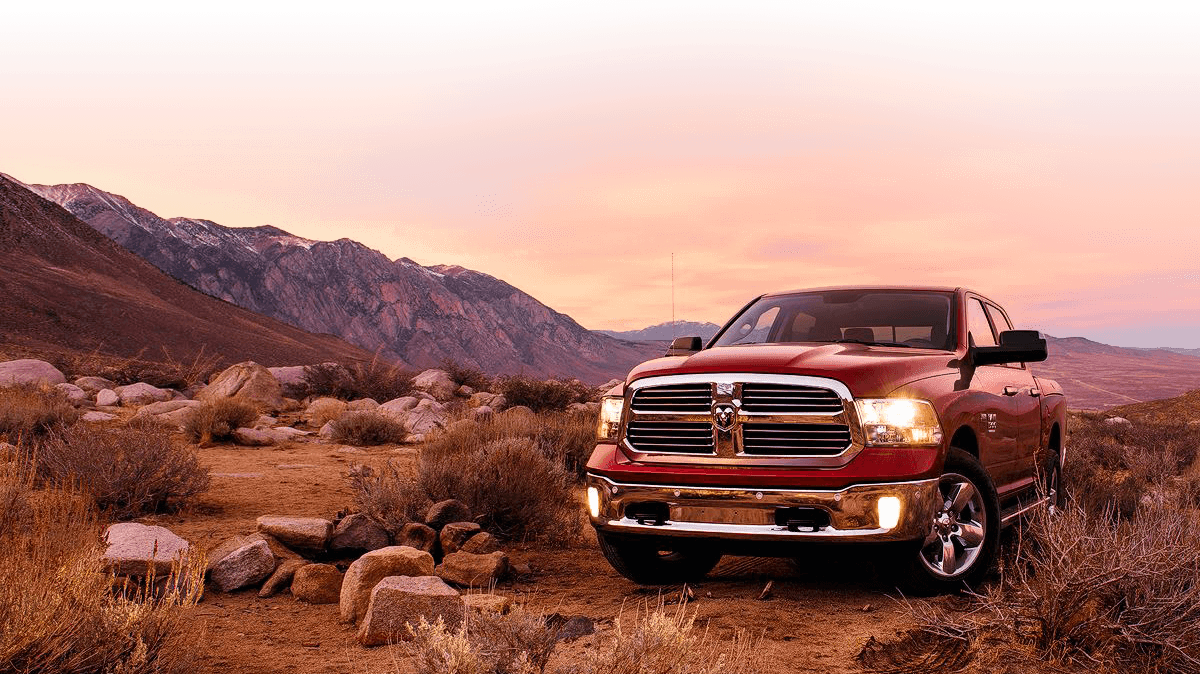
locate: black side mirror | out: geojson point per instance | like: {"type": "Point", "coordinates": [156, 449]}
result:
{"type": "Point", "coordinates": [685, 346]}
{"type": "Point", "coordinates": [1016, 346]}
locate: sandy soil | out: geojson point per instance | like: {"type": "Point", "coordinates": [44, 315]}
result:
{"type": "Point", "coordinates": [820, 614]}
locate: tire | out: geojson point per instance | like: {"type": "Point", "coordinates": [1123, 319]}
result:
{"type": "Point", "coordinates": [956, 556]}
{"type": "Point", "coordinates": [1053, 481]}
{"type": "Point", "coordinates": [651, 561]}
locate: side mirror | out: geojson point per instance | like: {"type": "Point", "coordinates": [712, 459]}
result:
{"type": "Point", "coordinates": [1016, 346]}
{"type": "Point", "coordinates": [685, 346]}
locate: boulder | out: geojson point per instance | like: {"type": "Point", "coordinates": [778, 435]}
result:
{"type": "Point", "coordinates": [326, 431]}
{"type": "Point", "coordinates": [417, 535]}
{"type": "Point", "coordinates": [284, 433]}
{"type": "Point", "coordinates": [302, 533]}
{"type": "Point", "coordinates": [281, 578]}
{"type": "Point", "coordinates": [138, 549]}
{"type": "Point", "coordinates": [426, 416]}
{"type": "Point", "coordinates": [436, 383]}
{"type": "Point", "coordinates": [245, 566]}
{"type": "Point", "coordinates": [218, 552]}
{"type": "Point", "coordinates": [93, 384]}
{"type": "Point", "coordinates": [253, 437]}
{"type": "Point", "coordinates": [75, 395]}
{"type": "Point", "coordinates": [444, 512]}
{"type": "Point", "coordinates": [362, 405]}
{"type": "Point", "coordinates": [290, 376]}
{"type": "Point", "coordinates": [317, 584]}
{"type": "Point", "coordinates": [1118, 421]}
{"type": "Point", "coordinates": [398, 601]}
{"type": "Point", "coordinates": [107, 398]}
{"type": "Point", "coordinates": [358, 532]}
{"type": "Point", "coordinates": [464, 391]}
{"type": "Point", "coordinates": [323, 410]}
{"type": "Point", "coordinates": [399, 406]}
{"type": "Point", "coordinates": [30, 371]}
{"type": "Point", "coordinates": [373, 567]}
{"type": "Point", "coordinates": [155, 409]}
{"type": "Point", "coordinates": [468, 570]}
{"type": "Point", "coordinates": [481, 543]}
{"type": "Point", "coordinates": [95, 416]}
{"type": "Point", "coordinates": [521, 412]}
{"type": "Point", "coordinates": [247, 381]}
{"type": "Point", "coordinates": [141, 393]}
{"type": "Point", "coordinates": [453, 535]}
{"type": "Point", "coordinates": [488, 603]}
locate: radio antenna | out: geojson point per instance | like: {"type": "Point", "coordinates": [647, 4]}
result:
{"type": "Point", "coordinates": [674, 325]}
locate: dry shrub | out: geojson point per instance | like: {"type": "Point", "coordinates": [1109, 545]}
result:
{"type": "Point", "coordinates": [368, 429]}
{"type": "Point", "coordinates": [566, 438]}
{"type": "Point", "coordinates": [57, 611]}
{"type": "Point", "coordinates": [388, 496]}
{"type": "Point", "coordinates": [1089, 589]}
{"type": "Point", "coordinates": [218, 419]}
{"type": "Point", "coordinates": [659, 640]}
{"type": "Point", "coordinates": [30, 411]}
{"type": "Point", "coordinates": [127, 471]}
{"type": "Point", "coordinates": [543, 395]}
{"type": "Point", "coordinates": [465, 375]}
{"type": "Point", "coordinates": [324, 410]}
{"type": "Point", "coordinates": [167, 371]}
{"type": "Point", "coordinates": [520, 642]}
{"type": "Point", "coordinates": [377, 379]}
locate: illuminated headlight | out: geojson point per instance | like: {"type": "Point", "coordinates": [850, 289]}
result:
{"type": "Point", "coordinates": [889, 512]}
{"type": "Point", "coordinates": [610, 418]}
{"type": "Point", "coordinates": [899, 421]}
{"type": "Point", "coordinates": [593, 496]}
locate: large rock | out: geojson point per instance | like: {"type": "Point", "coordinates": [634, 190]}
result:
{"type": "Point", "coordinates": [436, 383]}
{"type": "Point", "coordinates": [488, 603]}
{"type": "Point", "coordinates": [95, 416]}
{"type": "Point", "coordinates": [107, 398]}
{"type": "Point", "coordinates": [362, 405]}
{"type": "Point", "coordinates": [155, 409]}
{"type": "Point", "coordinates": [417, 535]}
{"type": "Point", "coordinates": [481, 543]}
{"type": "Point", "coordinates": [290, 377]}
{"type": "Point", "coordinates": [468, 570]}
{"type": "Point", "coordinates": [137, 549]}
{"type": "Point", "coordinates": [358, 532]}
{"type": "Point", "coordinates": [30, 371]}
{"type": "Point", "coordinates": [398, 407]}
{"type": "Point", "coordinates": [303, 533]}
{"type": "Point", "coordinates": [253, 437]}
{"type": "Point", "coordinates": [373, 567]}
{"type": "Point", "coordinates": [444, 512]}
{"type": "Point", "coordinates": [318, 584]}
{"type": "Point", "coordinates": [75, 395]}
{"type": "Point", "coordinates": [250, 564]}
{"type": "Point", "coordinates": [246, 381]}
{"type": "Point", "coordinates": [142, 393]}
{"type": "Point", "coordinates": [495, 401]}
{"type": "Point", "coordinates": [281, 578]}
{"type": "Point", "coordinates": [93, 384]}
{"type": "Point", "coordinates": [453, 535]}
{"type": "Point", "coordinates": [398, 601]}
{"type": "Point", "coordinates": [218, 552]}
{"type": "Point", "coordinates": [426, 416]}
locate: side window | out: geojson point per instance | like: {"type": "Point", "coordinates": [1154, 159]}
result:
{"type": "Point", "coordinates": [1001, 322]}
{"type": "Point", "coordinates": [977, 324]}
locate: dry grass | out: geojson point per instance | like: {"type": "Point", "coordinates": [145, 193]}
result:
{"type": "Point", "coordinates": [324, 410]}
{"type": "Point", "coordinates": [566, 438]}
{"type": "Point", "coordinates": [388, 496]}
{"type": "Point", "coordinates": [217, 420]}
{"type": "Point", "coordinates": [465, 375]}
{"type": "Point", "coordinates": [367, 429]}
{"type": "Point", "coordinates": [166, 371]}
{"type": "Point", "coordinates": [543, 395]}
{"type": "Point", "coordinates": [377, 379]}
{"type": "Point", "coordinates": [127, 471]}
{"type": "Point", "coordinates": [57, 611]}
{"type": "Point", "coordinates": [29, 411]}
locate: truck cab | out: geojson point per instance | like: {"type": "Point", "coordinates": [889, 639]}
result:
{"type": "Point", "coordinates": [902, 415]}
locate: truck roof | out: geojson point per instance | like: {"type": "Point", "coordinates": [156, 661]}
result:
{"type": "Point", "coordinates": [940, 289]}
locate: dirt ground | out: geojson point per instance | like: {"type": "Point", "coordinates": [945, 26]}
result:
{"type": "Point", "coordinates": [820, 613]}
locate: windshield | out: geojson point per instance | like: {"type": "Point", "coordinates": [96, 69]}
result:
{"type": "Point", "coordinates": [906, 318]}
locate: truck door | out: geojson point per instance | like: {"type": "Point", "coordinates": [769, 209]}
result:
{"type": "Point", "coordinates": [997, 423]}
{"type": "Point", "coordinates": [1025, 406]}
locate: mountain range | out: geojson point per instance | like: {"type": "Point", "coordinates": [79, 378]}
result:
{"type": "Point", "coordinates": [419, 315]}
{"type": "Point", "coordinates": [665, 332]}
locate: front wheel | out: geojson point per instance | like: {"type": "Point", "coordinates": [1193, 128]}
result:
{"type": "Point", "coordinates": [649, 561]}
{"type": "Point", "coordinates": [964, 535]}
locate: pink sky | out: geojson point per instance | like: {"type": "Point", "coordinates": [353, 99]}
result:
{"type": "Point", "coordinates": [1047, 155]}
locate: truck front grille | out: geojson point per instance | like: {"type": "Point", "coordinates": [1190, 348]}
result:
{"type": "Point", "coordinates": [775, 398]}
{"type": "Point", "coordinates": [679, 437]}
{"type": "Point", "coordinates": [683, 398]}
{"type": "Point", "coordinates": [795, 439]}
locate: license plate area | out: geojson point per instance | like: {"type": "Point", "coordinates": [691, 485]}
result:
{"type": "Point", "coordinates": [722, 515]}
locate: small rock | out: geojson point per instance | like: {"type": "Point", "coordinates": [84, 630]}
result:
{"type": "Point", "coordinates": [93, 384]}
{"type": "Point", "coordinates": [95, 416]}
{"type": "Point", "coordinates": [417, 535]}
{"type": "Point", "coordinates": [570, 629]}
{"type": "Point", "coordinates": [154, 409]}
{"type": "Point", "coordinates": [1118, 421]}
{"type": "Point", "coordinates": [374, 566]}
{"type": "Point", "coordinates": [107, 398]}
{"type": "Point", "coordinates": [358, 532]}
{"type": "Point", "coordinates": [245, 566]}
{"type": "Point", "coordinates": [285, 433]}
{"type": "Point", "coordinates": [251, 437]}
{"type": "Point", "coordinates": [75, 395]}
{"type": "Point", "coordinates": [281, 578]}
{"type": "Point", "coordinates": [137, 549]}
{"type": "Point", "coordinates": [766, 591]}
{"type": "Point", "coordinates": [481, 543]}
{"type": "Point", "coordinates": [465, 391]}
{"type": "Point", "coordinates": [468, 570]}
{"type": "Point", "coordinates": [399, 600]}
{"type": "Point", "coordinates": [265, 421]}
{"type": "Point", "coordinates": [317, 584]}
{"type": "Point", "coordinates": [489, 603]}
{"type": "Point", "coordinates": [453, 535]}
{"type": "Point", "coordinates": [246, 381]}
{"type": "Point", "coordinates": [30, 371]}
{"type": "Point", "coordinates": [326, 431]}
{"type": "Point", "coordinates": [141, 394]}
{"type": "Point", "coordinates": [303, 533]}
{"type": "Point", "coordinates": [444, 512]}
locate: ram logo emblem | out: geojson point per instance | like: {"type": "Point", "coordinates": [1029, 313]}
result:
{"type": "Point", "coordinates": [724, 416]}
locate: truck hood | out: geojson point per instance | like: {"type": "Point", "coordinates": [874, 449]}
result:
{"type": "Point", "coordinates": [868, 371]}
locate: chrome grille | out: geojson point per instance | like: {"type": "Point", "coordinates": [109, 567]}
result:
{"type": "Point", "coordinates": [783, 398]}
{"type": "Point", "coordinates": [685, 437]}
{"type": "Point", "coordinates": [686, 398]}
{"type": "Point", "coordinates": [795, 439]}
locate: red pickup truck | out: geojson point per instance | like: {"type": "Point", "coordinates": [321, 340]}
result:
{"type": "Point", "coordinates": [899, 415]}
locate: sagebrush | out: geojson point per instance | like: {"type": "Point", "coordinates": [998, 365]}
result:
{"type": "Point", "coordinates": [366, 429]}
{"type": "Point", "coordinates": [377, 379]}
{"type": "Point", "coordinates": [216, 421]}
{"type": "Point", "coordinates": [465, 375]}
{"type": "Point", "coordinates": [541, 395]}
{"type": "Point", "coordinates": [29, 412]}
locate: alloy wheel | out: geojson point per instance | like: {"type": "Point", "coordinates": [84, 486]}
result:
{"type": "Point", "coordinates": [958, 530]}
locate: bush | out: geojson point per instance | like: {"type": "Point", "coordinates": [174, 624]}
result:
{"type": "Point", "coordinates": [377, 379]}
{"type": "Point", "coordinates": [543, 395]}
{"type": "Point", "coordinates": [465, 375]}
{"type": "Point", "coordinates": [57, 611]}
{"type": "Point", "coordinates": [28, 412]}
{"type": "Point", "coordinates": [388, 496]}
{"type": "Point", "coordinates": [368, 429]}
{"type": "Point", "coordinates": [486, 643]}
{"type": "Point", "coordinates": [165, 372]}
{"type": "Point", "coordinates": [128, 471]}
{"type": "Point", "coordinates": [217, 420]}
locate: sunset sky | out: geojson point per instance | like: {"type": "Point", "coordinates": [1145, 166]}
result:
{"type": "Point", "coordinates": [1047, 155]}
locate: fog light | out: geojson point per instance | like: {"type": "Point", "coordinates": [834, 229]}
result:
{"type": "Point", "coordinates": [593, 501]}
{"type": "Point", "coordinates": [889, 512]}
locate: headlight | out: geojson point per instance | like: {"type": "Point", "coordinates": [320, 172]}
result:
{"type": "Point", "coordinates": [610, 418]}
{"type": "Point", "coordinates": [899, 421]}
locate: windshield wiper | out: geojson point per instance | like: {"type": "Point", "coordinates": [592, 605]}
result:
{"type": "Point", "coordinates": [871, 343]}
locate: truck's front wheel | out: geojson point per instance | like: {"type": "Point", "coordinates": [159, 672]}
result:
{"type": "Point", "coordinates": [649, 561]}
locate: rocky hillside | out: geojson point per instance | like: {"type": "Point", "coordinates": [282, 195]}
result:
{"type": "Point", "coordinates": [68, 289]}
{"type": "Point", "coordinates": [1099, 376]}
{"type": "Point", "coordinates": [1184, 409]}
{"type": "Point", "coordinates": [415, 313]}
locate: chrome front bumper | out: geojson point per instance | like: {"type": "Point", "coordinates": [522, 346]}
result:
{"type": "Point", "coordinates": [736, 513]}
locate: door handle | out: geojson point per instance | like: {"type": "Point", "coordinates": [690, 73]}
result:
{"type": "Point", "coordinates": [1034, 392]}
{"type": "Point", "coordinates": [1011, 390]}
